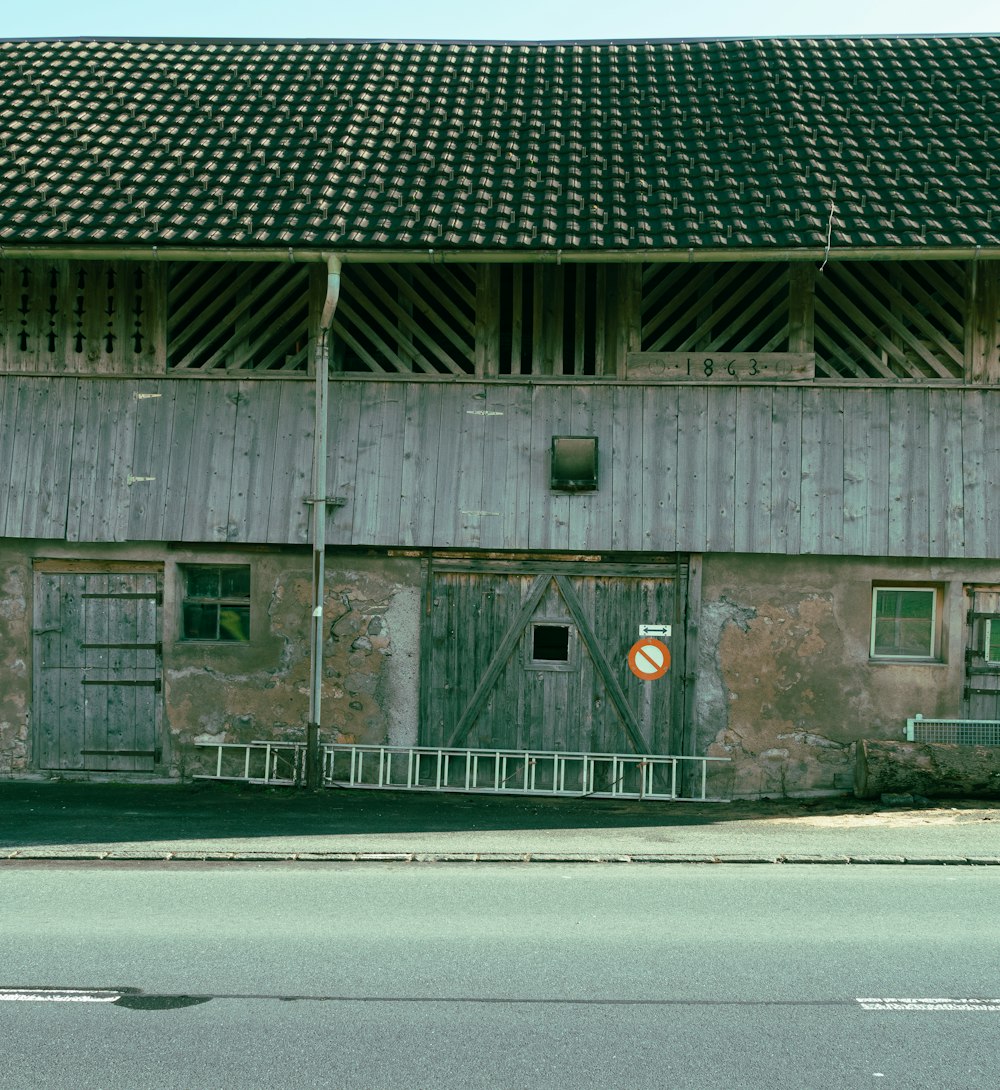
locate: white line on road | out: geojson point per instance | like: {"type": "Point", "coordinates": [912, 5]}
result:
{"type": "Point", "coordinates": [57, 995]}
{"type": "Point", "coordinates": [929, 1004]}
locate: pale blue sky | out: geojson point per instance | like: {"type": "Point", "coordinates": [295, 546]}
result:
{"type": "Point", "coordinates": [491, 19]}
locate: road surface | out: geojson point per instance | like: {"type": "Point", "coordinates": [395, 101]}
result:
{"type": "Point", "coordinates": [499, 976]}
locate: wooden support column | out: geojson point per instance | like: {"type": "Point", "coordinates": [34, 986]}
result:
{"type": "Point", "coordinates": [801, 308]}
{"type": "Point", "coordinates": [982, 325]}
{"type": "Point", "coordinates": [487, 320]}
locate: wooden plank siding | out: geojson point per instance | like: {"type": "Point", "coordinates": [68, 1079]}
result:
{"type": "Point", "coordinates": [834, 470]}
{"type": "Point", "coordinates": [858, 471]}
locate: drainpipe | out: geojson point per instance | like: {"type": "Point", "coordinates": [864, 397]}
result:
{"type": "Point", "coordinates": [319, 499]}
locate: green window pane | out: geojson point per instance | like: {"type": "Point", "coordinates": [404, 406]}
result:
{"type": "Point", "coordinates": [201, 622]}
{"type": "Point", "coordinates": [904, 623]}
{"type": "Point", "coordinates": [235, 583]}
{"type": "Point", "coordinates": [234, 623]}
{"type": "Point", "coordinates": [203, 582]}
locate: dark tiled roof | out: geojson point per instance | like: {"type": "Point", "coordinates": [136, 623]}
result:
{"type": "Point", "coordinates": [585, 146]}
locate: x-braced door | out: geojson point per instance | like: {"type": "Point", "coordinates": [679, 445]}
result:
{"type": "Point", "coordinates": [97, 672]}
{"type": "Point", "coordinates": [536, 657]}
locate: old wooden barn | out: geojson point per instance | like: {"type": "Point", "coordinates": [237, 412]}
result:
{"type": "Point", "coordinates": [512, 349]}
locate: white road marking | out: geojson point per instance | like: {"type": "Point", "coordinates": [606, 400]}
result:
{"type": "Point", "coordinates": [57, 995]}
{"type": "Point", "coordinates": [929, 1004]}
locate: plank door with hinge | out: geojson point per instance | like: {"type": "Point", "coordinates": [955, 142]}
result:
{"type": "Point", "coordinates": [97, 672]}
{"type": "Point", "coordinates": [537, 658]}
{"type": "Point", "coordinates": [981, 696]}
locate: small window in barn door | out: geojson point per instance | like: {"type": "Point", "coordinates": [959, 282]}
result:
{"type": "Point", "coordinates": [991, 642]}
{"type": "Point", "coordinates": [552, 646]}
{"type": "Point", "coordinates": [216, 603]}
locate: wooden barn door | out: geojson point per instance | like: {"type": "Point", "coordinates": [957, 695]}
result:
{"type": "Point", "coordinates": [982, 653]}
{"type": "Point", "coordinates": [536, 657]}
{"type": "Point", "coordinates": [97, 676]}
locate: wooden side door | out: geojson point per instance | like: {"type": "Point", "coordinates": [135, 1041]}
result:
{"type": "Point", "coordinates": [981, 695]}
{"type": "Point", "coordinates": [536, 657]}
{"type": "Point", "coordinates": [97, 671]}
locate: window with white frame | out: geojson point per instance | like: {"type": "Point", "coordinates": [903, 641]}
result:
{"type": "Point", "coordinates": [991, 642]}
{"type": "Point", "coordinates": [904, 622]}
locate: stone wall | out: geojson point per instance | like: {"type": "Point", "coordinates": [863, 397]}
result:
{"type": "Point", "coordinates": [260, 690]}
{"type": "Point", "coordinates": [785, 682]}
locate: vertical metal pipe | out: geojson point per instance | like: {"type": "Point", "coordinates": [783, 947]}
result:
{"type": "Point", "coordinates": [319, 496]}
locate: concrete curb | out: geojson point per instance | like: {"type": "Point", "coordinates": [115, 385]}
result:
{"type": "Point", "coordinates": [187, 856]}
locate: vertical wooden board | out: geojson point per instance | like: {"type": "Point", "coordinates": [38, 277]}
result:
{"type": "Point", "coordinates": [464, 407]}
{"type": "Point", "coordinates": [692, 467]}
{"type": "Point", "coordinates": [120, 707]}
{"type": "Point", "coordinates": [210, 469]}
{"type": "Point", "coordinates": [368, 464]}
{"type": "Point", "coordinates": [421, 431]}
{"type": "Point", "coordinates": [518, 468]}
{"type": "Point", "coordinates": [721, 485]}
{"type": "Point", "coordinates": [447, 445]}
{"type": "Point", "coordinates": [83, 462]}
{"type": "Point", "coordinates": [155, 454]}
{"type": "Point", "coordinates": [46, 671]}
{"type": "Point", "coordinates": [502, 466]}
{"type": "Point", "coordinates": [786, 470]}
{"type": "Point", "coordinates": [8, 418]}
{"type": "Point", "coordinates": [52, 484]}
{"type": "Point", "coordinates": [946, 470]}
{"type": "Point", "coordinates": [552, 408]}
{"type": "Point", "coordinates": [590, 513]}
{"type": "Point", "coordinates": [978, 497]}
{"type": "Point", "coordinates": [391, 448]}
{"type": "Point", "coordinates": [622, 468]}
{"type": "Point", "coordinates": [658, 498]}
{"type": "Point", "coordinates": [94, 611]}
{"type": "Point", "coordinates": [32, 462]}
{"type": "Point", "coordinates": [253, 460]}
{"type": "Point", "coordinates": [147, 469]}
{"type": "Point", "coordinates": [124, 488]}
{"type": "Point", "coordinates": [288, 518]}
{"type": "Point", "coordinates": [857, 427]}
{"type": "Point", "coordinates": [909, 473]}
{"type": "Point", "coordinates": [991, 469]}
{"type": "Point", "coordinates": [344, 423]}
{"type": "Point", "coordinates": [822, 470]}
{"type": "Point", "coordinates": [754, 409]}
{"type": "Point", "coordinates": [180, 406]}
{"type": "Point", "coordinates": [31, 397]}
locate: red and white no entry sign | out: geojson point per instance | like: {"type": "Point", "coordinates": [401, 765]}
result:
{"type": "Point", "coordinates": [649, 659]}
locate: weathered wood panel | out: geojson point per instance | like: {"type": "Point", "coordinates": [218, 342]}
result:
{"type": "Point", "coordinates": [486, 689]}
{"type": "Point", "coordinates": [697, 468]}
{"type": "Point", "coordinates": [837, 470]}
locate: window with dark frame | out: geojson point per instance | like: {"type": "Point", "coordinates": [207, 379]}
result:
{"type": "Point", "coordinates": [550, 643]}
{"type": "Point", "coordinates": [216, 604]}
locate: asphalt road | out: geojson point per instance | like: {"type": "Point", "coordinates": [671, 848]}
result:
{"type": "Point", "coordinates": [298, 975]}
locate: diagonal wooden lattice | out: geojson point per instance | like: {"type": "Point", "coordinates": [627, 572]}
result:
{"type": "Point", "coordinates": [743, 307]}
{"type": "Point", "coordinates": [406, 319]}
{"type": "Point", "coordinates": [890, 320]}
{"type": "Point", "coordinates": [252, 317]}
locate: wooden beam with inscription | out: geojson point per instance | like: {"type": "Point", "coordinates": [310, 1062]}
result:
{"type": "Point", "coordinates": [722, 366]}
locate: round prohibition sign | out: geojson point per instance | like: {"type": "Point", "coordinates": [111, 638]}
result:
{"type": "Point", "coordinates": [649, 659]}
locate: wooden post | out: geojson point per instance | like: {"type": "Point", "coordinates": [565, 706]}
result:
{"type": "Point", "coordinates": [982, 323]}
{"type": "Point", "coordinates": [801, 308]}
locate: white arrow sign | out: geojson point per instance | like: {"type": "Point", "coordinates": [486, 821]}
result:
{"type": "Point", "coordinates": [656, 630]}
